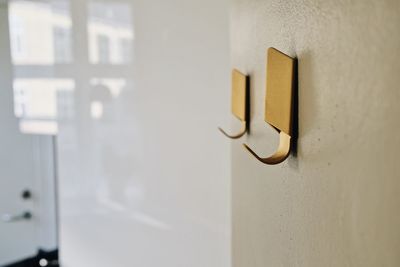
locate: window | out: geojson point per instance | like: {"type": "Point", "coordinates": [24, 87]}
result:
{"type": "Point", "coordinates": [103, 45]}
{"type": "Point", "coordinates": [62, 44]}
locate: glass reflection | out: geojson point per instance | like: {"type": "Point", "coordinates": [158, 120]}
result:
{"type": "Point", "coordinates": [42, 43]}
{"type": "Point", "coordinates": [40, 38]}
{"type": "Point", "coordinates": [35, 103]}
{"type": "Point", "coordinates": [43, 39]}
{"type": "Point", "coordinates": [110, 34]}
{"type": "Point", "coordinates": [73, 78]}
{"type": "Point", "coordinates": [103, 92]}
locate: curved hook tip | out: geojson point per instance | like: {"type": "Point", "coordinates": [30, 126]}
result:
{"type": "Point", "coordinates": [240, 134]}
{"type": "Point", "coordinates": [280, 155]}
{"type": "Point", "coordinates": [251, 152]}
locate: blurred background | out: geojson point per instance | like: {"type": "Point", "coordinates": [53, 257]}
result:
{"type": "Point", "coordinates": [108, 123]}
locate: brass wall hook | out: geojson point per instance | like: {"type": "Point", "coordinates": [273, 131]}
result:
{"type": "Point", "coordinates": [279, 102]}
{"type": "Point", "coordinates": [239, 102]}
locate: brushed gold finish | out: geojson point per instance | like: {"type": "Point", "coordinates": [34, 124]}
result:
{"type": "Point", "coordinates": [279, 102]}
{"type": "Point", "coordinates": [239, 102]}
{"type": "Point", "coordinates": [239, 95]}
{"type": "Point", "coordinates": [280, 155]}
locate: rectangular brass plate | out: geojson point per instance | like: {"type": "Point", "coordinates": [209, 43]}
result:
{"type": "Point", "coordinates": [278, 100]}
{"type": "Point", "coordinates": [239, 95]}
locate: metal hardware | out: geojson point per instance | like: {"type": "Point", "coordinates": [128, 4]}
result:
{"type": "Point", "coordinates": [26, 194]}
{"type": "Point", "coordinates": [280, 155]}
{"type": "Point", "coordinates": [14, 218]}
{"type": "Point", "coordinates": [239, 102]}
{"type": "Point", "coordinates": [279, 102]}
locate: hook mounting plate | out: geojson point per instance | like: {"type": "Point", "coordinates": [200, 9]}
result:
{"type": "Point", "coordinates": [239, 102]}
{"type": "Point", "coordinates": [239, 95]}
{"type": "Point", "coordinates": [279, 95]}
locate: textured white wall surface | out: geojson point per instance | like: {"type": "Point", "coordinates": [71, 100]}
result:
{"type": "Point", "coordinates": [337, 202]}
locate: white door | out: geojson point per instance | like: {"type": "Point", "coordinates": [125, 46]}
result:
{"type": "Point", "coordinates": [17, 231]}
{"type": "Point", "coordinates": [27, 168]}
{"type": "Point", "coordinates": [336, 201]}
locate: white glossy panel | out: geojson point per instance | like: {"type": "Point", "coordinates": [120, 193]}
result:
{"type": "Point", "coordinates": [144, 174]}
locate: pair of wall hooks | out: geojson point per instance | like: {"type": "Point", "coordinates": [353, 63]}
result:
{"type": "Point", "coordinates": [278, 102]}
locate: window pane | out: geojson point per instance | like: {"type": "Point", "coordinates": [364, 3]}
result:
{"type": "Point", "coordinates": [110, 33]}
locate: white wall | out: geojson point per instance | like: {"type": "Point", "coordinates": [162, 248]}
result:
{"type": "Point", "coordinates": [145, 181]}
{"type": "Point", "coordinates": [337, 202]}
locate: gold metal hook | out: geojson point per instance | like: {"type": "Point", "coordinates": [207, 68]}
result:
{"type": "Point", "coordinates": [239, 102]}
{"type": "Point", "coordinates": [280, 155]}
{"type": "Point", "coordinates": [279, 102]}
{"type": "Point", "coordinates": [236, 136]}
